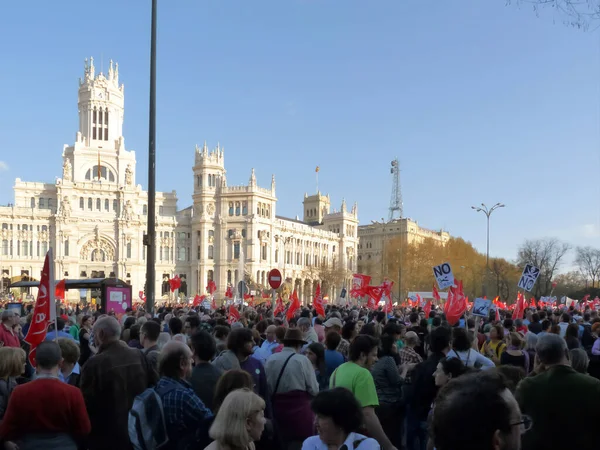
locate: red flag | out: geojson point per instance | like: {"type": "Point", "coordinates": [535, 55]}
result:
{"type": "Point", "coordinates": [294, 306]}
{"type": "Point", "coordinates": [371, 303]}
{"type": "Point", "coordinates": [456, 305]}
{"type": "Point", "coordinates": [142, 296]}
{"type": "Point", "coordinates": [197, 300]}
{"type": "Point", "coordinates": [532, 303]}
{"type": "Point", "coordinates": [175, 283]}
{"type": "Point", "coordinates": [497, 314]}
{"type": "Point", "coordinates": [427, 309]}
{"type": "Point", "coordinates": [359, 283]}
{"type": "Point", "coordinates": [229, 292]}
{"type": "Point", "coordinates": [212, 287]}
{"type": "Point", "coordinates": [213, 304]}
{"type": "Point", "coordinates": [279, 308]}
{"type": "Point", "coordinates": [45, 309]}
{"type": "Point", "coordinates": [59, 292]}
{"type": "Point", "coordinates": [233, 315]}
{"type": "Point", "coordinates": [247, 296]}
{"type": "Point", "coordinates": [318, 302]}
{"type": "Point", "coordinates": [519, 307]}
{"type": "Point", "coordinates": [435, 293]}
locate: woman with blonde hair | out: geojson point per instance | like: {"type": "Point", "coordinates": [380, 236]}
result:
{"type": "Point", "coordinates": [239, 422]}
{"type": "Point", "coordinates": [12, 365]}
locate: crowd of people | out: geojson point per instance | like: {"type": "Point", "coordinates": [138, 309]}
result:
{"type": "Point", "coordinates": [354, 379]}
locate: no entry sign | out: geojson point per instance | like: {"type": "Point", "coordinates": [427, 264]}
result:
{"type": "Point", "coordinates": [275, 278]}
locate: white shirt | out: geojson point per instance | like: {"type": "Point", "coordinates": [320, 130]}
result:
{"type": "Point", "coordinates": [315, 443]}
{"type": "Point", "coordinates": [470, 357]}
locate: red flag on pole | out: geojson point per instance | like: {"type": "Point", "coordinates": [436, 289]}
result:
{"type": "Point", "coordinates": [318, 302]}
{"type": "Point", "coordinates": [212, 287]}
{"type": "Point", "coordinates": [233, 314]}
{"type": "Point", "coordinates": [175, 283]}
{"type": "Point", "coordinates": [45, 308]}
{"type": "Point", "coordinates": [435, 293]}
{"type": "Point", "coordinates": [427, 309]}
{"type": "Point", "coordinates": [294, 306]}
{"type": "Point", "coordinates": [279, 308]}
{"type": "Point", "coordinates": [59, 292]}
{"type": "Point", "coordinates": [229, 292]}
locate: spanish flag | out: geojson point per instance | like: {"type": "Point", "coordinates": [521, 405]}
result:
{"type": "Point", "coordinates": [317, 169]}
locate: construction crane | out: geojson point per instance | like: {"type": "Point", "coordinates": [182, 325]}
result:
{"type": "Point", "coordinates": [396, 211]}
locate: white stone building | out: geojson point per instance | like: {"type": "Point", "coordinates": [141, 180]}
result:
{"type": "Point", "coordinates": [94, 217]}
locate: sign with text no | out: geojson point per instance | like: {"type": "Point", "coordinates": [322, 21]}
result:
{"type": "Point", "coordinates": [443, 275]}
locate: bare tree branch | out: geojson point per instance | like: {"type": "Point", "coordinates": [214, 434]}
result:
{"type": "Point", "coordinates": [583, 14]}
{"type": "Point", "coordinates": [588, 261]}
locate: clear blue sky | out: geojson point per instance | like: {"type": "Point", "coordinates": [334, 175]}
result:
{"type": "Point", "coordinates": [481, 102]}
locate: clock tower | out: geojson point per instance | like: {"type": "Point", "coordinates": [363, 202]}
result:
{"type": "Point", "coordinates": [101, 105]}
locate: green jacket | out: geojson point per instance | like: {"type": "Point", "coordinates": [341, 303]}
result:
{"type": "Point", "coordinates": [563, 405]}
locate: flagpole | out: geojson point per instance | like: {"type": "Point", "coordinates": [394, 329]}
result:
{"type": "Point", "coordinates": [52, 293]}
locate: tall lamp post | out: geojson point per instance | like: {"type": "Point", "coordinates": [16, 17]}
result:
{"type": "Point", "coordinates": [150, 238]}
{"type": "Point", "coordinates": [488, 212]}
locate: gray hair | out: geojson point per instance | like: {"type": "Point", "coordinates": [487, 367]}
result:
{"type": "Point", "coordinates": [531, 340]}
{"type": "Point", "coordinates": [8, 314]}
{"type": "Point", "coordinates": [163, 338]}
{"type": "Point", "coordinates": [109, 326]}
{"type": "Point", "coordinates": [304, 321]}
{"type": "Point", "coordinates": [551, 349]}
{"type": "Point", "coordinates": [579, 360]}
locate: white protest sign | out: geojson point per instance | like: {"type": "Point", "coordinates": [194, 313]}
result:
{"type": "Point", "coordinates": [443, 275]}
{"type": "Point", "coordinates": [529, 277]}
{"type": "Point", "coordinates": [482, 307]}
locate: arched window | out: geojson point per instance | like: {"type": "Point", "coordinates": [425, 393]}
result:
{"type": "Point", "coordinates": [128, 249]}
{"type": "Point", "coordinates": [211, 250]}
{"type": "Point", "coordinates": [106, 205]}
{"type": "Point", "coordinates": [81, 203]}
{"type": "Point", "coordinates": [229, 277]}
{"type": "Point", "coordinates": [32, 202]}
{"type": "Point", "coordinates": [199, 181]}
{"type": "Point", "coordinates": [90, 204]}
{"type": "Point", "coordinates": [181, 254]}
{"type": "Point", "coordinates": [237, 208]}
{"type": "Point", "coordinates": [98, 204]}
{"type": "Point", "coordinates": [231, 208]}
{"type": "Point", "coordinates": [244, 208]}
{"type": "Point", "coordinates": [166, 255]}
{"type": "Point", "coordinates": [66, 248]}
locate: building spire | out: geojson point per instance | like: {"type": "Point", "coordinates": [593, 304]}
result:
{"type": "Point", "coordinates": [343, 205]}
{"type": "Point", "coordinates": [252, 179]}
{"type": "Point", "coordinates": [273, 184]}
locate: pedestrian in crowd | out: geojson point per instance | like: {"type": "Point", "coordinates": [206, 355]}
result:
{"type": "Point", "coordinates": [355, 376]}
{"type": "Point", "coordinates": [149, 334]}
{"type": "Point", "coordinates": [204, 374]}
{"type": "Point", "coordinates": [478, 412]}
{"type": "Point", "coordinates": [84, 339]}
{"type": "Point", "coordinates": [493, 348]}
{"type": "Point", "coordinates": [12, 365]}
{"type": "Point", "coordinates": [292, 383]}
{"type": "Point", "coordinates": [268, 346]}
{"type": "Point", "coordinates": [185, 415]}
{"type": "Point", "coordinates": [240, 343]}
{"type": "Point", "coordinates": [229, 382]}
{"type": "Point", "coordinates": [45, 413]}
{"type": "Point", "coordinates": [110, 380]}
{"type": "Point", "coordinates": [514, 355]}
{"type": "Point", "coordinates": [315, 353]}
{"type": "Point", "coordinates": [70, 371]}
{"type": "Point", "coordinates": [570, 391]}
{"type": "Point", "coordinates": [339, 420]}
{"type": "Point", "coordinates": [333, 358]}
{"type": "Point", "coordinates": [308, 332]}
{"type": "Point", "coordinates": [579, 360]}
{"type": "Point", "coordinates": [59, 332]}
{"type": "Point", "coordinates": [423, 388]}
{"type": "Point", "coordinates": [239, 423]}
{"type": "Point", "coordinates": [9, 329]}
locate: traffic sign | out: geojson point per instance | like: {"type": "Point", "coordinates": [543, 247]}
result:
{"type": "Point", "coordinates": [274, 278]}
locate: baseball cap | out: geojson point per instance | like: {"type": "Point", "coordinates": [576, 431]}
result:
{"type": "Point", "coordinates": [333, 322]}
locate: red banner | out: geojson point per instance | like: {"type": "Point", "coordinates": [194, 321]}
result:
{"type": "Point", "coordinates": [294, 306]}
{"type": "Point", "coordinates": [45, 308]}
{"type": "Point", "coordinates": [233, 314]}
{"type": "Point", "coordinates": [175, 283]}
{"type": "Point", "coordinates": [318, 302]}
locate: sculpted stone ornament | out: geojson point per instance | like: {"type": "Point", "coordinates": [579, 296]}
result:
{"type": "Point", "coordinates": [210, 209]}
{"type": "Point", "coordinates": [128, 175]}
{"type": "Point", "coordinates": [67, 171]}
{"type": "Point", "coordinates": [65, 208]}
{"type": "Point", "coordinates": [128, 211]}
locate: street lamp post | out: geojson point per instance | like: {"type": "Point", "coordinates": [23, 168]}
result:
{"type": "Point", "coordinates": [151, 233]}
{"type": "Point", "coordinates": [488, 212]}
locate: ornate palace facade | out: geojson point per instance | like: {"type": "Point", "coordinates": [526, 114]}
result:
{"type": "Point", "coordinates": [94, 217]}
